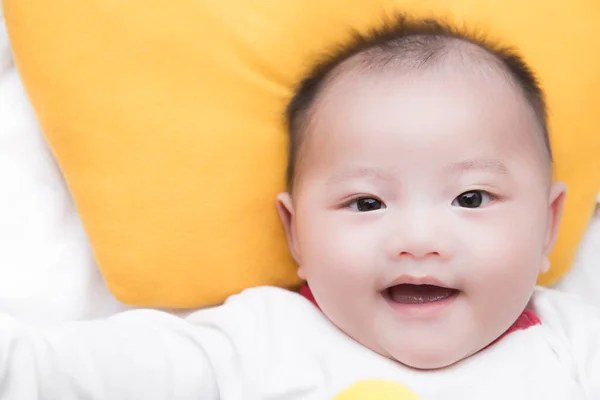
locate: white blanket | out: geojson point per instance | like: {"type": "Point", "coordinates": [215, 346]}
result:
{"type": "Point", "coordinates": [47, 270]}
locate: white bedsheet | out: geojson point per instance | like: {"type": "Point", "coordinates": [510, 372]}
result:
{"type": "Point", "coordinates": [584, 277]}
{"type": "Point", "coordinates": [47, 271]}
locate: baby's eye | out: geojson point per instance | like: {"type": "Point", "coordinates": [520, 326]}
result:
{"type": "Point", "coordinates": [365, 204]}
{"type": "Point", "coordinates": [473, 199]}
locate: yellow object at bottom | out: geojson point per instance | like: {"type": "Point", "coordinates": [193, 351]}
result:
{"type": "Point", "coordinates": [377, 390]}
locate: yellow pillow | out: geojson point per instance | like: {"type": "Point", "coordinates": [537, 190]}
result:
{"type": "Point", "coordinates": [166, 118]}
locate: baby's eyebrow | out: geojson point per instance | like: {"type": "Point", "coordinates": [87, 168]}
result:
{"type": "Point", "coordinates": [491, 165]}
{"type": "Point", "coordinates": [370, 173]}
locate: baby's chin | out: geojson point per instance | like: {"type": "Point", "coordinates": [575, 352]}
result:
{"type": "Point", "coordinates": [429, 360]}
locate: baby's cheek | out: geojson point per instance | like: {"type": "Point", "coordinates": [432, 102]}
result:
{"type": "Point", "coordinates": [348, 251]}
{"type": "Point", "coordinates": [509, 231]}
{"type": "Point", "coordinates": [503, 272]}
{"type": "Point", "coordinates": [505, 252]}
{"type": "Point", "coordinates": [339, 255]}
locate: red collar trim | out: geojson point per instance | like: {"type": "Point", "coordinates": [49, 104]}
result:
{"type": "Point", "coordinates": [527, 319]}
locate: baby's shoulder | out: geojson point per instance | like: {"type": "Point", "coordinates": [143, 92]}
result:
{"type": "Point", "coordinates": [560, 310]}
{"type": "Point", "coordinates": [263, 308]}
{"type": "Point", "coordinates": [572, 329]}
{"type": "Point", "coordinates": [566, 320]}
{"type": "Point", "coordinates": [268, 334]}
{"type": "Point", "coordinates": [273, 301]}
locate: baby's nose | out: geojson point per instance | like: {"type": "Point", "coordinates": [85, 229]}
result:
{"type": "Point", "coordinates": [418, 252]}
{"type": "Point", "coordinates": [419, 236]}
{"type": "Point", "coordinates": [417, 246]}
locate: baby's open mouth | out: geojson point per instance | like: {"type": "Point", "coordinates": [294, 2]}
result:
{"type": "Point", "coordinates": [407, 293]}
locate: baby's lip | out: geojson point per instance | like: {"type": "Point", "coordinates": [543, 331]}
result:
{"type": "Point", "coordinates": [413, 280]}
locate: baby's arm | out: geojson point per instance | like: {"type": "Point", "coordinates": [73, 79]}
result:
{"type": "Point", "coordinates": [136, 355]}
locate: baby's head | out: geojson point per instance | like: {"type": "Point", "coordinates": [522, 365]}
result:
{"type": "Point", "coordinates": [420, 206]}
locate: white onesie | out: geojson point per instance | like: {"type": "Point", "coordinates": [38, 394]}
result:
{"type": "Point", "coordinates": [269, 343]}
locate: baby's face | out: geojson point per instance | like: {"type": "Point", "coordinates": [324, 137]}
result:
{"type": "Point", "coordinates": [423, 211]}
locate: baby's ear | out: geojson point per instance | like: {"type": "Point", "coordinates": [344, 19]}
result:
{"type": "Point", "coordinates": [556, 201]}
{"type": "Point", "coordinates": [285, 208]}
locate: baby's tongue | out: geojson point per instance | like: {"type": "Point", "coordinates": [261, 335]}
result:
{"type": "Point", "coordinates": [419, 294]}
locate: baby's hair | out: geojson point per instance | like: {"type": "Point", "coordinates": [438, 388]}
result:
{"type": "Point", "coordinates": [414, 44]}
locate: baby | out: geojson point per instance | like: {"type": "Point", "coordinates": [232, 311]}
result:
{"type": "Point", "coordinates": [420, 211]}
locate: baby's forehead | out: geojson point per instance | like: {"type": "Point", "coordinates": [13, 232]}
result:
{"type": "Point", "coordinates": [453, 55]}
{"type": "Point", "coordinates": [491, 110]}
{"type": "Point", "coordinates": [483, 88]}
{"type": "Point", "coordinates": [458, 61]}
{"type": "Point", "coordinates": [418, 57]}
